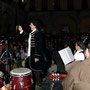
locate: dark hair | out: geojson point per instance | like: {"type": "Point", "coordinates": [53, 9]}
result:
{"type": "Point", "coordinates": [80, 44]}
{"type": "Point", "coordinates": [38, 23]}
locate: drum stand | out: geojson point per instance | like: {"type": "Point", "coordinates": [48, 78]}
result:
{"type": "Point", "coordinates": [8, 65]}
{"type": "Point", "coordinates": [7, 71]}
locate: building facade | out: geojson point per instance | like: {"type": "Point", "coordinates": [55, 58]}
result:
{"type": "Point", "coordinates": [57, 15]}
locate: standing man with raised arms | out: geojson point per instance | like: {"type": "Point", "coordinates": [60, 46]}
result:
{"type": "Point", "coordinates": [35, 50]}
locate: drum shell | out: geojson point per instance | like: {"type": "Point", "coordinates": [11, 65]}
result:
{"type": "Point", "coordinates": [17, 80]}
{"type": "Point", "coordinates": [1, 80]}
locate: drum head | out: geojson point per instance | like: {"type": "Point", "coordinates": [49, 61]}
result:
{"type": "Point", "coordinates": [20, 71]}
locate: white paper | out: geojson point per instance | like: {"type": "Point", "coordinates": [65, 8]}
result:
{"type": "Point", "coordinates": [66, 55]}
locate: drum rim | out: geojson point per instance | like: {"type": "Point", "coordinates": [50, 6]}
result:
{"type": "Point", "coordinates": [20, 75]}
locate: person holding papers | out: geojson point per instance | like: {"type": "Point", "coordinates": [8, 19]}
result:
{"type": "Point", "coordinates": [67, 55]}
{"type": "Point", "coordinates": [78, 77]}
{"type": "Point", "coordinates": [78, 56]}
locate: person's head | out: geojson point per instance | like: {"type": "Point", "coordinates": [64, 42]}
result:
{"type": "Point", "coordinates": [35, 24]}
{"type": "Point", "coordinates": [79, 45]}
{"type": "Point", "coordinates": [14, 46]}
{"type": "Point", "coordinates": [6, 46]}
{"type": "Point", "coordinates": [32, 26]}
{"type": "Point", "coordinates": [19, 27]}
{"type": "Point", "coordinates": [87, 50]}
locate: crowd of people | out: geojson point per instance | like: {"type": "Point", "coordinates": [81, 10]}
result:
{"type": "Point", "coordinates": [40, 54]}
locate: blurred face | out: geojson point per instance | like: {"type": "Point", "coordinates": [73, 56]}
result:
{"type": "Point", "coordinates": [32, 26]}
{"type": "Point", "coordinates": [19, 27]}
{"type": "Point", "coordinates": [52, 62]}
{"type": "Point", "coordinates": [76, 46]}
{"type": "Point", "coordinates": [87, 54]}
{"type": "Point", "coordinates": [26, 48]}
{"type": "Point", "coordinates": [15, 47]}
{"type": "Point", "coordinates": [6, 46]}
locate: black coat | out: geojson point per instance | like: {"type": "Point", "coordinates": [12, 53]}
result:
{"type": "Point", "coordinates": [37, 50]}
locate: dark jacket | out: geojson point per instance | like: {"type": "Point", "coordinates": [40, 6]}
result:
{"type": "Point", "coordinates": [37, 49]}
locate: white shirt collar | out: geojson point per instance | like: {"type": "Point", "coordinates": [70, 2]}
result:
{"type": "Point", "coordinates": [33, 30]}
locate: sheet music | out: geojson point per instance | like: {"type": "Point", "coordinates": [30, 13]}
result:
{"type": "Point", "coordinates": [66, 55]}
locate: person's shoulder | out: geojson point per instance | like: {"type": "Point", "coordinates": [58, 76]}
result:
{"type": "Point", "coordinates": [37, 31]}
{"type": "Point", "coordinates": [55, 65]}
{"type": "Point", "coordinates": [76, 65]}
{"type": "Point", "coordinates": [86, 61]}
{"type": "Point", "coordinates": [81, 51]}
